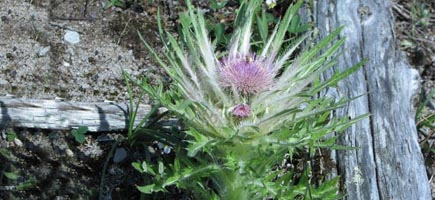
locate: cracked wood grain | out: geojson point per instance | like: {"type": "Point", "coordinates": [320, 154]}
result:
{"type": "Point", "coordinates": [388, 163]}
{"type": "Point", "coordinates": [57, 114]}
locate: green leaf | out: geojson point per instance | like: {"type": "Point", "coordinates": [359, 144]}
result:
{"type": "Point", "coordinates": [218, 30]}
{"type": "Point", "coordinates": [11, 136]}
{"type": "Point", "coordinates": [148, 189]}
{"type": "Point", "coordinates": [115, 3]}
{"type": "Point", "coordinates": [79, 134]}
{"type": "Point", "coordinates": [263, 28]}
{"type": "Point", "coordinates": [217, 5]}
{"type": "Point", "coordinates": [11, 175]}
{"type": "Point", "coordinates": [198, 144]}
{"type": "Point", "coordinates": [171, 180]}
{"type": "Point", "coordinates": [161, 168]}
{"type": "Point", "coordinates": [6, 154]}
{"type": "Point", "coordinates": [137, 166]}
{"type": "Point", "coordinates": [82, 129]}
{"type": "Point", "coordinates": [240, 18]}
{"type": "Point", "coordinates": [147, 169]}
{"type": "Point", "coordinates": [31, 182]}
{"type": "Point", "coordinates": [296, 27]}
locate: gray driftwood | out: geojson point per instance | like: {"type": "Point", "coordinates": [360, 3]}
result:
{"type": "Point", "coordinates": [59, 114]}
{"type": "Point", "coordinates": [388, 163]}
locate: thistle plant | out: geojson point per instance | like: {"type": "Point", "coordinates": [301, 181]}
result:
{"type": "Point", "coordinates": [244, 109]}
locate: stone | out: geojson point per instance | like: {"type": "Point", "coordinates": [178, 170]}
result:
{"type": "Point", "coordinates": [69, 153]}
{"type": "Point", "coordinates": [18, 142]}
{"type": "Point", "coordinates": [4, 136]}
{"type": "Point", "coordinates": [71, 37]}
{"type": "Point", "coordinates": [43, 51]}
{"type": "Point", "coordinates": [3, 82]}
{"type": "Point", "coordinates": [104, 138]}
{"type": "Point", "coordinates": [120, 155]}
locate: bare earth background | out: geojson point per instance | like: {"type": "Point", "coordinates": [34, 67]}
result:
{"type": "Point", "coordinates": [37, 62]}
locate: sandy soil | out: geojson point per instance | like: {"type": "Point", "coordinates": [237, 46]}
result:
{"type": "Point", "coordinates": [36, 61]}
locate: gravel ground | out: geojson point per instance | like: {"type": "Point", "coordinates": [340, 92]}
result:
{"type": "Point", "coordinates": [37, 62]}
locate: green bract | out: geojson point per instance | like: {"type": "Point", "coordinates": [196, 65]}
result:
{"type": "Point", "coordinates": [231, 156]}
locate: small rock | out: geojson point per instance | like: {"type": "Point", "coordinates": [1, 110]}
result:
{"type": "Point", "coordinates": [18, 142]}
{"type": "Point", "coordinates": [167, 149]}
{"type": "Point", "coordinates": [66, 64]}
{"type": "Point", "coordinates": [4, 136]}
{"type": "Point", "coordinates": [104, 138]}
{"type": "Point", "coordinates": [70, 51]}
{"type": "Point", "coordinates": [43, 51]}
{"type": "Point", "coordinates": [3, 82]}
{"type": "Point", "coordinates": [69, 152]}
{"type": "Point", "coordinates": [160, 145]}
{"type": "Point", "coordinates": [85, 86]}
{"type": "Point", "coordinates": [120, 155]}
{"type": "Point", "coordinates": [71, 37]}
{"type": "Point", "coordinates": [151, 150]}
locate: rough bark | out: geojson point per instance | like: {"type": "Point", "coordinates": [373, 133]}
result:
{"type": "Point", "coordinates": [388, 163]}
{"type": "Point", "coordinates": [58, 114]}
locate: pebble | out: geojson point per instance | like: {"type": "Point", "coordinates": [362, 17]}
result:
{"type": "Point", "coordinates": [43, 51]}
{"type": "Point", "coordinates": [85, 86]}
{"type": "Point", "coordinates": [104, 138]}
{"type": "Point", "coordinates": [71, 37]}
{"type": "Point", "coordinates": [167, 149]}
{"type": "Point", "coordinates": [4, 136]}
{"type": "Point", "coordinates": [69, 152]}
{"type": "Point", "coordinates": [151, 150]}
{"type": "Point", "coordinates": [120, 155]}
{"type": "Point", "coordinates": [18, 142]}
{"type": "Point", "coordinates": [3, 82]}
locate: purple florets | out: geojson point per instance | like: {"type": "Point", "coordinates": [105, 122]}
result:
{"type": "Point", "coordinates": [248, 74]}
{"type": "Point", "coordinates": [242, 111]}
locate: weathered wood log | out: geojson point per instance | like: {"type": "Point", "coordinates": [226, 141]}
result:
{"type": "Point", "coordinates": [59, 114]}
{"type": "Point", "coordinates": [388, 163]}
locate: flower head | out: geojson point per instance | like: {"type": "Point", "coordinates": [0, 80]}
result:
{"type": "Point", "coordinates": [248, 74]}
{"type": "Point", "coordinates": [271, 3]}
{"type": "Point", "coordinates": [241, 111]}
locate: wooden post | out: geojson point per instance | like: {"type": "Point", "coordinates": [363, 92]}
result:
{"type": "Point", "coordinates": [388, 163]}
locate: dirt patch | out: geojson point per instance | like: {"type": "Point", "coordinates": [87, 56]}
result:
{"type": "Point", "coordinates": [37, 62]}
{"type": "Point", "coordinates": [50, 164]}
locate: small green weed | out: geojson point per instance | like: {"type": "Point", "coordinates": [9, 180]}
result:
{"type": "Point", "coordinates": [420, 14]}
{"type": "Point", "coordinates": [10, 175]}
{"type": "Point", "coordinates": [425, 122]}
{"type": "Point", "coordinates": [11, 135]}
{"type": "Point", "coordinates": [79, 134]}
{"type": "Point", "coordinates": [114, 3]}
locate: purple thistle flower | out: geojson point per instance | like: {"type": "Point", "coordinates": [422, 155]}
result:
{"type": "Point", "coordinates": [242, 111]}
{"type": "Point", "coordinates": [248, 74]}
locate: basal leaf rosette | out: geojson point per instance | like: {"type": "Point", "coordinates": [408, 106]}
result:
{"type": "Point", "coordinates": [241, 91]}
{"type": "Point", "coordinates": [247, 106]}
